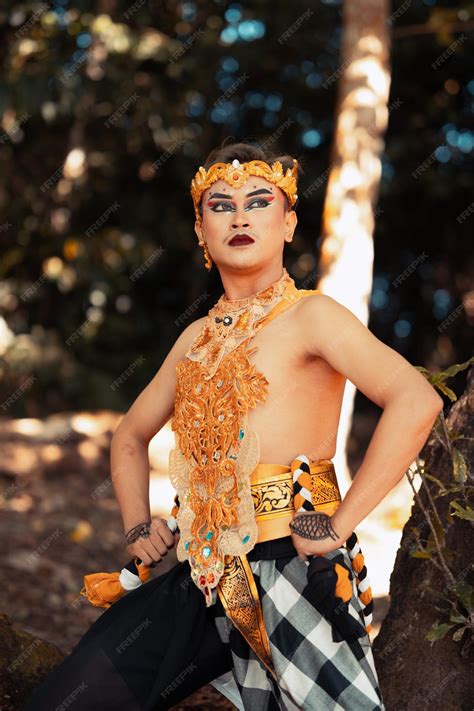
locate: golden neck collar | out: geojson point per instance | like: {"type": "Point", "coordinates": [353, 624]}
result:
{"type": "Point", "coordinates": [229, 322]}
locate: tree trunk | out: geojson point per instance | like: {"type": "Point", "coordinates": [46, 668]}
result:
{"type": "Point", "coordinates": [413, 672]}
{"type": "Point", "coordinates": [346, 262]}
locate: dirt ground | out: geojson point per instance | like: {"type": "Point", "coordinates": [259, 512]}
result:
{"type": "Point", "coordinates": [60, 521]}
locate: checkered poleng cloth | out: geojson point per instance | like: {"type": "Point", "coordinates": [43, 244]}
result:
{"type": "Point", "coordinates": [314, 673]}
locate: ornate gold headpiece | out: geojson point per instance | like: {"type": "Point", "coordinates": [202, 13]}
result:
{"type": "Point", "coordinates": [236, 173]}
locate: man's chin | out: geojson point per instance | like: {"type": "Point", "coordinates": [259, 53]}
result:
{"type": "Point", "coordinates": [241, 262]}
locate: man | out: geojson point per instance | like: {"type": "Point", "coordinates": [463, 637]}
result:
{"type": "Point", "coordinates": [270, 594]}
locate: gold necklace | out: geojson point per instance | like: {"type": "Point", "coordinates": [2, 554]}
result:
{"type": "Point", "coordinates": [231, 321]}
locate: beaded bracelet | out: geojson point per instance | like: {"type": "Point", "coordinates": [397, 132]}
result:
{"type": "Point", "coordinates": [315, 525]}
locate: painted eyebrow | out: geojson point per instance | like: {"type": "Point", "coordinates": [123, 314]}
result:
{"type": "Point", "coordinates": [255, 192]}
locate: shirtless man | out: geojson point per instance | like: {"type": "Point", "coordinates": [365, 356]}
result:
{"type": "Point", "coordinates": [306, 354]}
{"type": "Point", "coordinates": [284, 652]}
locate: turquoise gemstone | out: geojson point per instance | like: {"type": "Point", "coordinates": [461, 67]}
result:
{"type": "Point", "coordinates": [246, 538]}
{"type": "Point", "coordinates": [241, 433]}
{"type": "Point", "coordinates": [186, 545]}
{"type": "Point", "coordinates": [206, 551]}
{"type": "Point", "coordinates": [209, 535]}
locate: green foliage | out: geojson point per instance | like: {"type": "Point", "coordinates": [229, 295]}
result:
{"type": "Point", "coordinates": [458, 595]}
{"type": "Point", "coordinates": [106, 115]}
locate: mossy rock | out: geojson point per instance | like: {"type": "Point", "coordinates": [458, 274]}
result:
{"type": "Point", "coordinates": [25, 660]}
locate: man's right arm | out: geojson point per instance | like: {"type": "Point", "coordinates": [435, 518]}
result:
{"type": "Point", "coordinates": [130, 467]}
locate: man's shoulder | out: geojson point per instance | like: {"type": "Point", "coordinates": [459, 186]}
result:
{"type": "Point", "coordinates": [312, 301]}
{"type": "Point", "coordinates": [193, 328]}
{"type": "Point", "coordinates": [320, 313]}
{"type": "Point", "coordinates": [187, 336]}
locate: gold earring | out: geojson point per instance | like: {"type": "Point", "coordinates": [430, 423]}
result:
{"type": "Point", "coordinates": [207, 256]}
{"type": "Point", "coordinates": [208, 263]}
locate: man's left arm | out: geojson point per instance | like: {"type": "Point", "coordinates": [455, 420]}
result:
{"type": "Point", "coordinates": [410, 406]}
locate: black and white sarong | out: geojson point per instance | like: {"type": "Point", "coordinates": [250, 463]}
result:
{"type": "Point", "coordinates": [159, 643]}
{"type": "Point", "coordinates": [313, 671]}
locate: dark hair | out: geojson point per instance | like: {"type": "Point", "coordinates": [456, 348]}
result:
{"type": "Point", "coordinates": [244, 152]}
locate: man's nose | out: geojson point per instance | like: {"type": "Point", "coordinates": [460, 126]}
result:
{"type": "Point", "coordinates": [240, 218]}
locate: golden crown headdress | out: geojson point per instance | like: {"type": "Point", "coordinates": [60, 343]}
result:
{"type": "Point", "coordinates": [236, 173]}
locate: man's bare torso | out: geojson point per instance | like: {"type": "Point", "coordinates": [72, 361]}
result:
{"type": "Point", "coordinates": [301, 412]}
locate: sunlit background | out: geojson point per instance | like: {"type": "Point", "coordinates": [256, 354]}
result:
{"type": "Point", "coordinates": [107, 110]}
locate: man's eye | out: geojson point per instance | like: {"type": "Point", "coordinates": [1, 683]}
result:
{"type": "Point", "coordinates": [220, 204]}
{"type": "Point", "coordinates": [214, 208]}
{"type": "Point", "coordinates": [261, 201]}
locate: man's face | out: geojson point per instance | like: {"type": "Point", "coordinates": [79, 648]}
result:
{"type": "Point", "coordinates": [255, 209]}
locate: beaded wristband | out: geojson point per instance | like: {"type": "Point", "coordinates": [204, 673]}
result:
{"type": "Point", "coordinates": [315, 525]}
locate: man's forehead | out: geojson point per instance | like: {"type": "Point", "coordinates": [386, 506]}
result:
{"type": "Point", "coordinates": [254, 182]}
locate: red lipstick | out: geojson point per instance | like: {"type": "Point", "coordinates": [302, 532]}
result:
{"type": "Point", "coordinates": [241, 238]}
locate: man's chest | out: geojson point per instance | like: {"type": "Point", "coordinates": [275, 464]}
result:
{"type": "Point", "coordinates": [296, 377]}
{"type": "Point", "coordinates": [273, 363]}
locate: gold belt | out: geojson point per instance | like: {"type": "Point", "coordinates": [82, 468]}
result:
{"type": "Point", "coordinates": [272, 493]}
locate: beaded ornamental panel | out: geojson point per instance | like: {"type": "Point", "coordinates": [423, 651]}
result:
{"type": "Point", "coordinates": [215, 449]}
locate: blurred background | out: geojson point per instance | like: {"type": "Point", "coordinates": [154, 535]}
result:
{"type": "Point", "coordinates": [108, 108]}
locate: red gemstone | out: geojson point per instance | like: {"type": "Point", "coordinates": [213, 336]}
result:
{"type": "Point", "coordinates": [202, 580]}
{"type": "Point", "coordinates": [235, 177]}
{"type": "Point", "coordinates": [210, 578]}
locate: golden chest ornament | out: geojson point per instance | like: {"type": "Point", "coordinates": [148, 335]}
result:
{"type": "Point", "coordinates": [215, 449]}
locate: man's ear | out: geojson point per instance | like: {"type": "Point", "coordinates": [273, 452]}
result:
{"type": "Point", "coordinates": [198, 230]}
{"type": "Point", "coordinates": [291, 220]}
